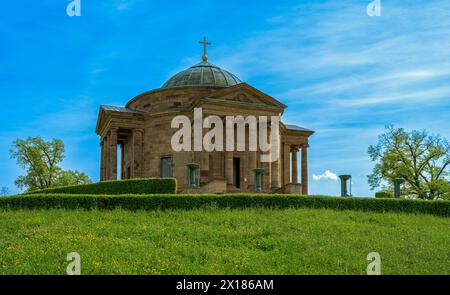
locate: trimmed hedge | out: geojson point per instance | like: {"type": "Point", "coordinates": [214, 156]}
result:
{"type": "Point", "coordinates": [176, 201]}
{"type": "Point", "coordinates": [118, 187]}
{"type": "Point", "coordinates": [384, 194]}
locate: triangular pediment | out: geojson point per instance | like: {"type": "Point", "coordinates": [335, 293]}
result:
{"type": "Point", "coordinates": [246, 94]}
{"type": "Point", "coordinates": [101, 120]}
{"type": "Point", "coordinates": [106, 111]}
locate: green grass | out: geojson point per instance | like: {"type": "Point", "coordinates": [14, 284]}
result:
{"type": "Point", "coordinates": [222, 241]}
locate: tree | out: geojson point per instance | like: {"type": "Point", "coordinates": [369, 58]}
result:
{"type": "Point", "coordinates": [70, 177]}
{"type": "Point", "coordinates": [41, 161]}
{"type": "Point", "coordinates": [420, 159]}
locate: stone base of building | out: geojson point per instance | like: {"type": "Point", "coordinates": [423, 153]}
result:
{"type": "Point", "coordinates": [220, 186]}
{"type": "Point", "coordinates": [293, 188]}
{"type": "Point", "coordinates": [217, 186]}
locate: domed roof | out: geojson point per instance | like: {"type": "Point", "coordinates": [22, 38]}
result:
{"type": "Point", "coordinates": [202, 74]}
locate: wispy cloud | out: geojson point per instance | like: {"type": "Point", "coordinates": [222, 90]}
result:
{"type": "Point", "coordinates": [328, 175]}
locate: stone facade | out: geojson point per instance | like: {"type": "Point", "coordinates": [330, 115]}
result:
{"type": "Point", "coordinates": [142, 131]}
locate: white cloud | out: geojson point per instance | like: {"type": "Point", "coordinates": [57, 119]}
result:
{"type": "Point", "coordinates": [326, 175]}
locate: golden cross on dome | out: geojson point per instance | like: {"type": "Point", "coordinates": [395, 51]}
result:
{"type": "Point", "coordinates": [204, 57]}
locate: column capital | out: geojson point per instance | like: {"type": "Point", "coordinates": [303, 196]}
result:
{"type": "Point", "coordinates": [294, 148]}
{"type": "Point", "coordinates": [138, 130]}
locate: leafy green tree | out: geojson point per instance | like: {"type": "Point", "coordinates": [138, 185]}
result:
{"type": "Point", "coordinates": [420, 159]}
{"type": "Point", "coordinates": [70, 177]}
{"type": "Point", "coordinates": [41, 161]}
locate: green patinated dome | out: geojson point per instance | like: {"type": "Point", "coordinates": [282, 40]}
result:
{"type": "Point", "coordinates": [202, 74]}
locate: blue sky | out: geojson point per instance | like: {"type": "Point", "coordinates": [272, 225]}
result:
{"type": "Point", "coordinates": [342, 73]}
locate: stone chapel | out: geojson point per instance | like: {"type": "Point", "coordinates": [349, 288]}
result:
{"type": "Point", "coordinates": [142, 131]}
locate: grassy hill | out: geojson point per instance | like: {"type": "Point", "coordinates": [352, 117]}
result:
{"type": "Point", "coordinates": [222, 241]}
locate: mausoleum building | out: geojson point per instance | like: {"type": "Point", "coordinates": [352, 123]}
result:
{"type": "Point", "coordinates": [142, 131]}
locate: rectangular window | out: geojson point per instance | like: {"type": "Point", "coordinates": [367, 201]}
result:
{"type": "Point", "coordinates": [193, 175]}
{"type": "Point", "coordinates": [166, 167]}
{"type": "Point", "coordinates": [258, 179]}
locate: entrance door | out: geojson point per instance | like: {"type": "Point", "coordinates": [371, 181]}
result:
{"type": "Point", "coordinates": [237, 172]}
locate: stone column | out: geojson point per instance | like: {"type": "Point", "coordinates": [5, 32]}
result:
{"type": "Point", "coordinates": [251, 165]}
{"type": "Point", "coordinates": [107, 152]}
{"type": "Point", "coordinates": [275, 173]}
{"type": "Point", "coordinates": [102, 159]}
{"type": "Point", "coordinates": [294, 165]}
{"type": "Point", "coordinates": [113, 154]}
{"type": "Point", "coordinates": [275, 170]}
{"type": "Point", "coordinates": [275, 164]}
{"type": "Point", "coordinates": [305, 169]}
{"type": "Point", "coordinates": [287, 164]}
{"type": "Point", "coordinates": [122, 160]}
{"type": "Point", "coordinates": [137, 154]}
{"type": "Point", "coordinates": [267, 178]}
{"type": "Point", "coordinates": [229, 167]}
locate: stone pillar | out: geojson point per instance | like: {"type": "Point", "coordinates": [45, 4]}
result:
{"type": "Point", "coordinates": [275, 164]}
{"type": "Point", "coordinates": [113, 154]}
{"type": "Point", "coordinates": [287, 164]}
{"type": "Point", "coordinates": [102, 163]}
{"type": "Point", "coordinates": [267, 176]}
{"type": "Point", "coordinates": [305, 169]}
{"type": "Point", "coordinates": [105, 158]}
{"type": "Point", "coordinates": [267, 182]}
{"type": "Point", "coordinates": [275, 171]}
{"type": "Point", "coordinates": [107, 152]}
{"type": "Point", "coordinates": [137, 154]}
{"type": "Point", "coordinates": [122, 160]}
{"type": "Point", "coordinates": [294, 165]}
{"type": "Point", "coordinates": [251, 165]}
{"type": "Point", "coordinates": [229, 167]}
